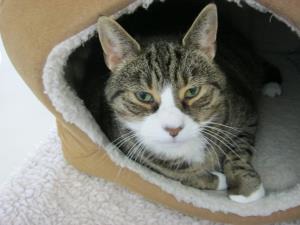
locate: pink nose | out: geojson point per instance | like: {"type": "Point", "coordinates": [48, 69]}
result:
{"type": "Point", "coordinates": [173, 131]}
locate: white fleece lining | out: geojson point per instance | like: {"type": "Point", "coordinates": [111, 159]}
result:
{"type": "Point", "coordinates": [73, 110]}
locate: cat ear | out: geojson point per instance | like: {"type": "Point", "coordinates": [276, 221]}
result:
{"type": "Point", "coordinates": [203, 32]}
{"type": "Point", "coordinates": [116, 43]}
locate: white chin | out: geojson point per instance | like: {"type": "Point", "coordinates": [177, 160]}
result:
{"type": "Point", "coordinates": [192, 150]}
{"type": "Point", "coordinates": [172, 142]}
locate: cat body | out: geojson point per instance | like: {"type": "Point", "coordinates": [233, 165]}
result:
{"type": "Point", "coordinates": [182, 110]}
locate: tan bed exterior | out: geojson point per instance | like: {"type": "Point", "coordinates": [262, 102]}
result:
{"type": "Point", "coordinates": [31, 28]}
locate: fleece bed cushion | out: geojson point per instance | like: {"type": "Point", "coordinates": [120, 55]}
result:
{"type": "Point", "coordinates": [82, 140]}
{"type": "Point", "coordinates": [46, 191]}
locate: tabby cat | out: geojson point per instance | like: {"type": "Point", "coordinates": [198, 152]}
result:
{"type": "Point", "coordinates": [184, 109]}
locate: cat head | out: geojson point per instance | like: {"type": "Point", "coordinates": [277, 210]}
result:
{"type": "Point", "coordinates": [167, 91]}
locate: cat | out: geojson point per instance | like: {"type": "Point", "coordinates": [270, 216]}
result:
{"type": "Point", "coordinates": [186, 110]}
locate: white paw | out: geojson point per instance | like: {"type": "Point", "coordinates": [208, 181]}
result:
{"type": "Point", "coordinates": [272, 89]}
{"type": "Point", "coordinates": [222, 185]}
{"type": "Point", "coordinates": [258, 194]}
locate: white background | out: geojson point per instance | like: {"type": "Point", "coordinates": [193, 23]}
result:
{"type": "Point", "coordinates": [24, 121]}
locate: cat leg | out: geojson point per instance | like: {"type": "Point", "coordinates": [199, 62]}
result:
{"type": "Point", "coordinates": [222, 181]}
{"type": "Point", "coordinates": [210, 181]}
{"type": "Point", "coordinates": [243, 181]}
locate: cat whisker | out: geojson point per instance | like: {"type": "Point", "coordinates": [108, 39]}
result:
{"type": "Point", "coordinates": [112, 146]}
{"type": "Point", "coordinates": [142, 150]}
{"type": "Point", "coordinates": [215, 144]}
{"type": "Point", "coordinates": [130, 152]}
{"type": "Point", "coordinates": [223, 125]}
{"type": "Point", "coordinates": [120, 137]}
{"type": "Point", "coordinates": [226, 143]}
{"type": "Point", "coordinates": [137, 152]}
{"type": "Point", "coordinates": [220, 129]}
{"type": "Point", "coordinates": [134, 148]}
{"type": "Point", "coordinates": [123, 141]}
{"type": "Point", "coordinates": [227, 133]}
{"type": "Point", "coordinates": [225, 136]}
{"type": "Point", "coordinates": [178, 164]}
{"type": "Point", "coordinates": [218, 139]}
{"type": "Point", "coordinates": [142, 157]}
{"type": "Point", "coordinates": [150, 156]}
{"type": "Point", "coordinates": [210, 156]}
{"type": "Point", "coordinates": [210, 147]}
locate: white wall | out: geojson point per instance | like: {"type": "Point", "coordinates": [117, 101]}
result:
{"type": "Point", "coordinates": [24, 121]}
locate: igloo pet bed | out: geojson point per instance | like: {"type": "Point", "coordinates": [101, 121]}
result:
{"type": "Point", "coordinates": [47, 40]}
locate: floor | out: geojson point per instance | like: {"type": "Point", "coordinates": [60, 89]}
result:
{"type": "Point", "coordinates": [24, 121]}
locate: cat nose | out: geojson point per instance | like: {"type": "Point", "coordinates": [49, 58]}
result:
{"type": "Point", "coordinates": [173, 131]}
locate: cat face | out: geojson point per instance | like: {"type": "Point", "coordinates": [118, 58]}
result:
{"type": "Point", "coordinates": [166, 92]}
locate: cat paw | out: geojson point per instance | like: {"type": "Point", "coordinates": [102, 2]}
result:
{"type": "Point", "coordinates": [272, 89]}
{"type": "Point", "coordinates": [256, 195]}
{"type": "Point", "coordinates": [222, 185]}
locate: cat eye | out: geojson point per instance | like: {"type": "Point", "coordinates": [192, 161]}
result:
{"type": "Point", "coordinates": [192, 92]}
{"type": "Point", "coordinates": [144, 97]}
